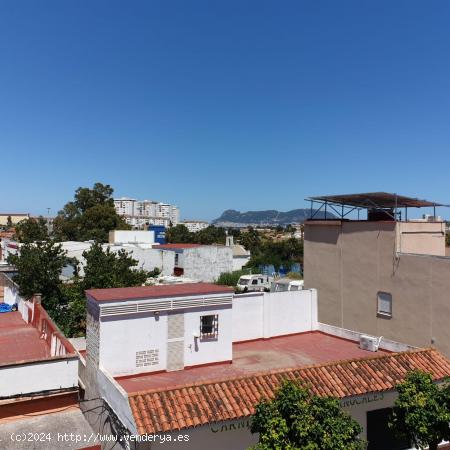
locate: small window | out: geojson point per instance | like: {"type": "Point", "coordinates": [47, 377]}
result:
{"type": "Point", "coordinates": [255, 281]}
{"type": "Point", "coordinates": [209, 326]}
{"type": "Point", "coordinates": [384, 305]}
{"type": "Point", "coordinates": [177, 257]}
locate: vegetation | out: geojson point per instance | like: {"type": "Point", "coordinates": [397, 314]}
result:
{"type": "Point", "coordinates": [277, 253]}
{"type": "Point", "coordinates": [9, 223]}
{"type": "Point", "coordinates": [297, 419]}
{"type": "Point", "coordinates": [39, 267]}
{"type": "Point", "coordinates": [422, 411]}
{"type": "Point", "coordinates": [231, 278]}
{"type": "Point", "coordinates": [91, 215]}
{"type": "Point", "coordinates": [294, 276]}
{"type": "Point", "coordinates": [210, 235]}
{"type": "Point", "coordinates": [31, 230]}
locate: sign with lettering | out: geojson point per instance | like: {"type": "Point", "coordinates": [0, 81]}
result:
{"type": "Point", "coordinates": [231, 426]}
{"type": "Point", "coordinates": [362, 399]}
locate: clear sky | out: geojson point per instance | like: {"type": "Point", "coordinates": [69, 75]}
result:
{"type": "Point", "coordinates": [212, 105]}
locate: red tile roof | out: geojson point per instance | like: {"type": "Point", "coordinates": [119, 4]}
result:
{"type": "Point", "coordinates": [197, 404]}
{"type": "Point", "coordinates": [176, 246]}
{"type": "Point", "coordinates": [159, 291]}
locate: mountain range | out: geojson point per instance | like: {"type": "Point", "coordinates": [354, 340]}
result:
{"type": "Point", "coordinates": [269, 217]}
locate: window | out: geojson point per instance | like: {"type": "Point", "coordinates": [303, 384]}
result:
{"type": "Point", "coordinates": [255, 281]}
{"type": "Point", "coordinates": [177, 257]}
{"type": "Point", "coordinates": [384, 305]}
{"type": "Point", "coordinates": [209, 326]}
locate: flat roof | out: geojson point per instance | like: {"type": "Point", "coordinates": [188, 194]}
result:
{"type": "Point", "coordinates": [20, 341]}
{"type": "Point", "coordinates": [177, 246]}
{"type": "Point", "coordinates": [254, 357]}
{"type": "Point", "coordinates": [376, 200]}
{"type": "Point", "coordinates": [159, 291]}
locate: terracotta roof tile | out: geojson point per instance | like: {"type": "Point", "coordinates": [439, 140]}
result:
{"type": "Point", "coordinates": [208, 402]}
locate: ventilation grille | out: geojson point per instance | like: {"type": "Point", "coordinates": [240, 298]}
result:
{"type": "Point", "coordinates": [166, 305]}
{"type": "Point", "coordinates": [147, 358]}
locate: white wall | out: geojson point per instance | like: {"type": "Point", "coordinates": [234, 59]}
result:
{"type": "Point", "coordinates": [269, 314]}
{"type": "Point", "coordinates": [239, 262]}
{"type": "Point", "coordinates": [206, 263]}
{"type": "Point", "coordinates": [122, 336]}
{"type": "Point", "coordinates": [40, 376]}
{"type": "Point", "coordinates": [117, 398]}
{"type": "Point", "coordinates": [203, 352]}
{"type": "Point", "coordinates": [11, 295]}
{"type": "Point", "coordinates": [131, 236]}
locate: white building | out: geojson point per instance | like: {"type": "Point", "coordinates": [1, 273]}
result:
{"type": "Point", "coordinates": [194, 359]}
{"type": "Point", "coordinates": [195, 225]}
{"type": "Point", "coordinates": [139, 213]}
{"type": "Point", "coordinates": [38, 365]}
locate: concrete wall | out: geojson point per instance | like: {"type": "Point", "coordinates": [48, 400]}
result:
{"type": "Point", "coordinates": [240, 261]}
{"type": "Point", "coordinates": [40, 376]}
{"type": "Point", "coordinates": [131, 236]}
{"type": "Point", "coordinates": [422, 238]}
{"type": "Point", "coordinates": [350, 262]}
{"type": "Point", "coordinates": [121, 337]}
{"type": "Point", "coordinates": [206, 263]}
{"type": "Point", "coordinates": [269, 314]}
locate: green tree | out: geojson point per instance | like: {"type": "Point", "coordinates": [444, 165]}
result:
{"type": "Point", "coordinates": [107, 269]}
{"type": "Point", "coordinates": [297, 419]}
{"type": "Point", "coordinates": [421, 412]}
{"type": "Point", "coordinates": [251, 240]}
{"type": "Point", "coordinates": [210, 235]}
{"type": "Point", "coordinates": [9, 223]}
{"type": "Point", "coordinates": [91, 215]}
{"type": "Point", "coordinates": [179, 234]}
{"type": "Point", "coordinates": [39, 266]}
{"type": "Point", "coordinates": [31, 230]}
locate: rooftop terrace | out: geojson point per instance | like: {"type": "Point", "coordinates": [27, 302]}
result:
{"type": "Point", "coordinates": [20, 341]}
{"type": "Point", "coordinates": [254, 357]}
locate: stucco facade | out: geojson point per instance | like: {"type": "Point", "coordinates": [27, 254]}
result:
{"type": "Point", "coordinates": [350, 262]}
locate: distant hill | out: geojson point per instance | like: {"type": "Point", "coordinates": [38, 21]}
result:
{"type": "Point", "coordinates": [270, 217]}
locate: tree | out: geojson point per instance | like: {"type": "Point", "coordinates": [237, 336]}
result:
{"type": "Point", "coordinates": [422, 410]}
{"type": "Point", "coordinates": [31, 230]}
{"type": "Point", "coordinates": [296, 419]}
{"type": "Point", "coordinates": [179, 234]}
{"type": "Point", "coordinates": [251, 240]}
{"type": "Point", "coordinates": [91, 215]}
{"type": "Point", "coordinates": [107, 269]}
{"type": "Point", "coordinates": [9, 223]}
{"type": "Point", "coordinates": [39, 266]}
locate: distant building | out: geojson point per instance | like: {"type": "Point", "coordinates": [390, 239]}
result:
{"type": "Point", "coordinates": [139, 213]}
{"type": "Point", "coordinates": [195, 225]}
{"type": "Point", "coordinates": [15, 218]}
{"type": "Point", "coordinates": [383, 274]}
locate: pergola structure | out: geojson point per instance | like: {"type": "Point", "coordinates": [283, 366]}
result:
{"type": "Point", "coordinates": [390, 204]}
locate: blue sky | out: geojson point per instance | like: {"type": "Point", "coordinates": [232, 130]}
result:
{"type": "Point", "coordinates": [213, 105]}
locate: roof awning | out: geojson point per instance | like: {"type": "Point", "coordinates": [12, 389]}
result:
{"type": "Point", "coordinates": [375, 200]}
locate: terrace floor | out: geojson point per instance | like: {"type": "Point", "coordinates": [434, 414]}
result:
{"type": "Point", "coordinates": [252, 357]}
{"type": "Point", "coordinates": [20, 341]}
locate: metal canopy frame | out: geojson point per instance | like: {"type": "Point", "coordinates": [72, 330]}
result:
{"type": "Point", "coordinates": [343, 205]}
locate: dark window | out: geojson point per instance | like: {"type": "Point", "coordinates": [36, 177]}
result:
{"type": "Point", "coordinates": [209, 326]}
{"type": "Point", "coordinates": [255, 282]}
{"type": "Point", "coordinates": [384, 305]}
{"type": "Point", "coordinates": [379, 435]}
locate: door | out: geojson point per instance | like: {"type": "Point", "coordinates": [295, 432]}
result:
{"type": "Point", "coordinates": [175, 341]}
{"type": "Point", "coordinates": [379, 435]}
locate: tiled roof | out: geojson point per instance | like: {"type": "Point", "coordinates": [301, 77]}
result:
{"type": "Point", "coordinates": [208, 402]}
{"type": "Point", "coordinates": [159, 291]}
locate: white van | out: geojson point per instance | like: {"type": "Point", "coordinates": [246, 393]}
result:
{"type": "Point", "coordinates": [256, 282]}
{"type": "Point", "coordinates": [286, 284]}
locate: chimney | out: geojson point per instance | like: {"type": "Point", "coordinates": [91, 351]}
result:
{"type": "Point", "coordinates": [37, 298]}
{"type": "Point", "coordinates": [229, 241]}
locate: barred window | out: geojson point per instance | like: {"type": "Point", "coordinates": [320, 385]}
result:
{"type": "Point", "coordinates": [209, 326]}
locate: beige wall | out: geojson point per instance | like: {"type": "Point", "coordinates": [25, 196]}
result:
{"type": "Point", "coordinates": [423, 238]}
{"type": "Point", "coordinates": [350, 262]}
{"type": "Point", "coordinates": [15, 218]}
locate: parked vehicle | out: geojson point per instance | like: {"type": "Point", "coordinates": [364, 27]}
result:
{"type": "Point", "coordinates": [286, 284]}
{"type": "Point", "coordinates": [256, 282]}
